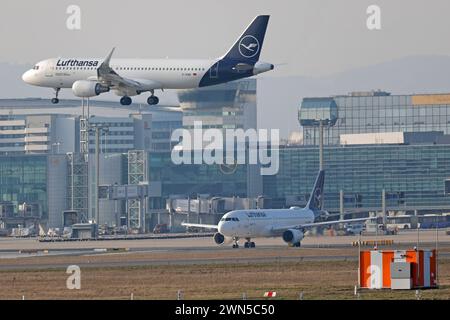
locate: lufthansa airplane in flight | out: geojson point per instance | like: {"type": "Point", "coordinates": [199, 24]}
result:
{"type": "Point", "coordinates": [290, 224]}
{"type": "Point", "coordinates": [129, 77]}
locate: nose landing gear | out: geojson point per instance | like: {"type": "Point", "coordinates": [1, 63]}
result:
{"type": "Point", "coordinates": [235, 244]}
{"type": "Point", "coordinates": [55, 100]}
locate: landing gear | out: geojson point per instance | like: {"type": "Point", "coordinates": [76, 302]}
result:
{"type": "Point", "coordinates": [55, 100]}
{"type": "Point", "coordinates": [249, 244]}
{"type": "Point", "coordinates": [152, 100]}
{"type": "Point", "coordinates": [125, 101]}
{"type": "Point", "coordinates": [235, 244]}
{"type": "Point", "coordinates": [297, 245]}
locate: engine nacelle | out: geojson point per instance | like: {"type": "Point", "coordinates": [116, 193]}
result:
{"type": "Point", "coordinates": [261, 67]}
{"type": "Point", "coordinates": [293, 236]}
{"type": "Point", "coordinates": [86, 88]}
{"type": "Point", "coordinates": [221, 239]}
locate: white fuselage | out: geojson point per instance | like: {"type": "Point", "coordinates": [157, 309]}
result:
{"type": "Point", "coordinates": [262, 222]}
{"type": "Point", "coordinates": [90, 77]}
{"type": "Point", "coordinates": [168, 73]}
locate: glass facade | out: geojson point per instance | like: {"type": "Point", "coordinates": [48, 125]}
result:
{"type": "Point", "coordinates": [24, 179]}
{"type": "Point", "coordinates": [227, 106]}
{"type": "Point", "coordinates": [382, 112]}
{"type": "Point", "coordinates": [413, 176]}
{"type": "Point", "coordinates": [315, 109]}
{"type": "Point", "coordinates": [193, 179]}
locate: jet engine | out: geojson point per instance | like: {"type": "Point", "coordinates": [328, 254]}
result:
{"type": "Point", "coordinates": [221, 239]}
{"type": "Point", "coordinates": [86, 88]}
{"type": "Point", "coordinates": [293, 237]}
{"type": "Point", "coordinates": [261, 67]}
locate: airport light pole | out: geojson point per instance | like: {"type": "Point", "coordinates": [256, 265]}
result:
{"type": "Point", "coordinates": [97, 175]}
{"type": "Point", "coordinates": [97, 128]}
{"type": "Point", "coordinates": [437, 242]}
{"type": "Point", "coordinates": [321, 144]}
{"type": "Point", "coordinates": [341, 204]}
{"type": "Point", "coordinates": [359, 258]}
{"type": "Point", "coordinates": [383, 206]}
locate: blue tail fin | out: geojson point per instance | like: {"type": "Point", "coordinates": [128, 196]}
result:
{"type": "Point", "coordinates": [248, 47]}
{"type": "Point", "coordinates": [315, 201]}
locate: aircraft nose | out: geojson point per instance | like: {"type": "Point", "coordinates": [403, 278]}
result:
{"type": "Point", "coordinates": [26, 77]}
{"type": "Point", "coordinates": [223, 228]}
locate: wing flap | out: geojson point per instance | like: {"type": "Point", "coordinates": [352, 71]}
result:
{"type": "Point", "coordinates": [109, 77]}
{"type": "Point", "coordinates": [324, 223]}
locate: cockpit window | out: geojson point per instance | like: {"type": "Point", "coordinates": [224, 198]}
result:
{"type": "Point", "coordinates": [36, 67]}
{"type": "Point", "coordinates": [229, 219]}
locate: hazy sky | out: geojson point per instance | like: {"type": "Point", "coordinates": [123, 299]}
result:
{"type": "Point", "coordinates": [325, 44]}
{"type": "Point", "coordinates": [314, 37]}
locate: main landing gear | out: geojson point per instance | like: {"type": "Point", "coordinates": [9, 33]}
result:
{"type": "Point", "coordinates": [249, 244]}
{"type": "Point", "coordinates": [125, 101]}
{"type": "Point", "coordinates": [55, 100]}
{"type": "Point", "coordinates": [152, 100]}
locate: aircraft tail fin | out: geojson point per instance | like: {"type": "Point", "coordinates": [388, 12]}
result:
{"type": "Point", "coordinates": [248, 46]}
{"type": "Point", "coordinates": [315, 202]}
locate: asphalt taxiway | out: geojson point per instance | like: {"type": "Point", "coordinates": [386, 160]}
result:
{"type": "Point", "coordinates": [22, 254]}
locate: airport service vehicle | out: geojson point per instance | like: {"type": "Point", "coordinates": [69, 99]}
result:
{"type": "Point", "coordinates": [291, 224]}
{"type": "Point", "coordinates": [431, 221]}
{"type": "Point", "coordinates": [90, 77]}
{"type": "Point", "coordinates": [356, 228]}
{"type": "Point", "coordinates": [403, 221]}
{"type": "Point", "coordinates": [161, 228]}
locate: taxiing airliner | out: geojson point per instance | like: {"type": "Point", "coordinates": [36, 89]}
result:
{"type": "Point", "coordinates": [89, 77]}
{"type": "Point", "coordinates": [290, 224]}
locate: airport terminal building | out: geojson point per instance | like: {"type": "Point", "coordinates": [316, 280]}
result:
{"type": "Point", "coordinates": [59, 177]}
{"type": "Point", "coordinates": [43, 173]}
{"type": "Point", "coordinates": [376, 142]}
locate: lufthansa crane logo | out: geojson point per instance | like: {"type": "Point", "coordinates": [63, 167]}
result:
{"type": "Point", "coordinates": [248, 46]}
{"type": "Point", "coordinates": [318, 197]}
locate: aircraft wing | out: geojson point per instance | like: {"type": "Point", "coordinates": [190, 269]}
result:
{"type": "Point", "coordinates": [107, 76]}
{"type": "Point", "coordinates": [198, 225]}
{"type": "Point", "coordinates": [324, 223]}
